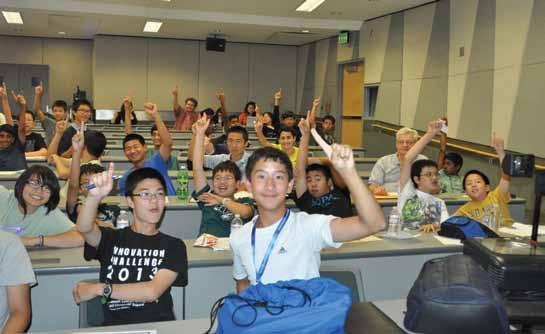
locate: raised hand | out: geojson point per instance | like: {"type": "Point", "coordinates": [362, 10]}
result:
{"type": "Point", "coordinates": [278, 95]}
{"type": "Point", "coordinates": [3, 90]}
{"type": "Point", "coordinates": [127, 103]}
{"type": "Point", "coordinates": [304, 124]}
{"type": "Point", "coordinates": [175, 91]}
{"type": "Point", "coordinates": [220, 95]}
{"type": "Point", "coordinates": [60, 126]}
{"type": "Point", "coordinates": [316, 103]}
{"type": "Point", "coordinates": [342, 157]}
{"type": "Point", "coordinates": [103, 183]}
{"type": "Point", "coordinates": [201, 125]}
{"type": "Point", "coordinates": [434, 127]}
{"type": "Point", "coordinates": [39, 90]}
{"type": "Point", "coordinates": [258, 125]}
{"type": "Point", "coordinates": [20, 99]}
{"type": "Point", "coordinates": [78, 140]}
{"type": "Point", "coordinates": [151, 110]}
{"type": "Point", "coordinates": [499, 145]}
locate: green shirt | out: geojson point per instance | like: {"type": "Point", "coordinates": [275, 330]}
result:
{"type": "Point", "coordinates": [38, 223]}
{"type": "Point", "coordinates": [216, 220]}
{"type": "Point", "coordinates": [450, 183]}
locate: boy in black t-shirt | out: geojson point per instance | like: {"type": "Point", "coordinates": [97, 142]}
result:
{"type": "Point", "coordinates": [35, 144]}
{"type": "Point", "coordinates": [314, 187]}
{"type": "Point", "coordinates": [138, 264]}
{"type": "Point", "coordinates": [12, 139]}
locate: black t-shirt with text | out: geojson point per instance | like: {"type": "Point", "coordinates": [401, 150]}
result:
{"type": "Point", "coordinates": [129, 257]}
{"type": "Point", "coordinates": [335, 202]}
{"type": "Point", "coordinates": [34, 142]}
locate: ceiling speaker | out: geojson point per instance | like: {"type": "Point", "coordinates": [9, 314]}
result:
{"type": "Point", "coordinates": [215, 44]}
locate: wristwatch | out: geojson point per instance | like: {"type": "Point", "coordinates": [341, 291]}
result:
{"type": "Point", "coordinates": [106, 293]}
{"type": "Point", "coordinates": [225, 200]}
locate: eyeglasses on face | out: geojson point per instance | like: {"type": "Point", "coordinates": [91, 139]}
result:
{"type": "Point", "coordinates": [148, 195]}
{"type": "Point", "coordinates": [36, 184]}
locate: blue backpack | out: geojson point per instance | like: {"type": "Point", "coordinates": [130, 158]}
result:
{"type": "Point", "coordinates": [319, 305]}
{"type": "Point", "coordinates": [462, 227]}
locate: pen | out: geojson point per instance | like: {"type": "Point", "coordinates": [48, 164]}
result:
{"type": "Point", "coordinates": [93, 186]}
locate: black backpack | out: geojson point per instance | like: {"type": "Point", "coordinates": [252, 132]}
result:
{"type": "Point", "coordinates": [454, 295]}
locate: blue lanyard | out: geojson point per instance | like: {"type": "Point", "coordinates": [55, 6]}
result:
{"type": "Point", "coordinates": [259, 273]}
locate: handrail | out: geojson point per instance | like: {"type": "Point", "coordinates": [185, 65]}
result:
{"type": "Point", "coordinates": [456, 146]}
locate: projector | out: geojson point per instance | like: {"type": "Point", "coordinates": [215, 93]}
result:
{"type": "Point", "coordinates": [514, 266]}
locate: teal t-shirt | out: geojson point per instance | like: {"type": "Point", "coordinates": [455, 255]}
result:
{"type": "Point", "coordinates": [216, 220]}
{"type": "Point", "coordinates": [173, 163]}
{"type": "Point", "coordinates": [38, 223]}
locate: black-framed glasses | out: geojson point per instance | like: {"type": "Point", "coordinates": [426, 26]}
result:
{"type": "Point", "coordinates": [36, 184]}
{"type": "Point", "coordinates": [148, 195]}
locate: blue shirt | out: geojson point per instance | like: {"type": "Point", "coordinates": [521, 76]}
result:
{"type": "Point", "coordinates": [156, 162]}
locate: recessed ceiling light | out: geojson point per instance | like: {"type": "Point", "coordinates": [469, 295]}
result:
{"type": "Point", "coordinates": [152, 26]}
{"type": "Point", "coordinates": [309, 5]}
{"type": "Point", "coordinates": [306, 31]}
{"type": "Point", "coordinates": [13, 17]}
{"type": "Point", "coordinates": [62, 32]}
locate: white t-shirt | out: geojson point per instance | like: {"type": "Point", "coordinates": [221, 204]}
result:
{"type": "Point", "coordinates": [296, 253]}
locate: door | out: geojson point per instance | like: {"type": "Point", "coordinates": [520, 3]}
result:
{"type": "Point", "coordinates": [352, 102]}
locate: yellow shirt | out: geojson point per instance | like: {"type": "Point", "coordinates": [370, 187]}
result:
{"type": "Point", "coordinates": [293, 156]}
{"type": "Point", "coordinates": [477, 210]}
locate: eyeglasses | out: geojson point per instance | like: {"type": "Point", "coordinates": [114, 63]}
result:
{"type": "Point", "coordinates": [88, 111]}
{"type": "Point", "coordinates": [35, 184]}
{"type": "Point", "coordinates": [148, 195]}
{"type": "Point", "coordinates": [226, 178]}
{"type": "Point", "coordinates": [430, 175]}
{"type": "Point", "coordinates": [405, 142]}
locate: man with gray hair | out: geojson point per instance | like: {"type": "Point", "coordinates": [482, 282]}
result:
{"type": "Point", "coordinates": [384, 177]}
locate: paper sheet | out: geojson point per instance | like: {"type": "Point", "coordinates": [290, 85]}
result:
{"type": "Point", "coordinates": [522, 230]}
{"type": "Point", "coordinates": [367, 239]}
{"type": "Point", "coordinates": [448, 241]}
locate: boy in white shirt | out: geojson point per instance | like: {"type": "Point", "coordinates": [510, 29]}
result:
{"type": "Point", "coordinates": [282, 245]}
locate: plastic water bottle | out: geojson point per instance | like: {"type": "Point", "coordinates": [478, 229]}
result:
{"type": "Point", "coordinates": [123, 219]}
{"type": "Point", "coordinates": [182, 192]}
{"type": "Point", "coordinates": [236, 224]}
{"type": "Point", "coordinates": [495, 217]}
{"type": "Point", "coordinates": [394, 223]}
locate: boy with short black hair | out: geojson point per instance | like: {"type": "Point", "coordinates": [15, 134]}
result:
{"type": "Point", "coordinates": [315, 189]}
{"type": "Point", "coordinates": [449, 165]}
{"type": "Point", "coordinates": [295, 239]}
{"type": "Point", "coordinates": [135, 148]}
{"type": "Point", "coordinates": [138, 264]}
{"type": "Point", "coordinates": [218, 205]}
{"type": "Point", "coordinates": [12, 139]}
{"type": "Point", "coordinates": [419, 206]}
{"type": "Point", "coordinates": [58, 109]}
{"type": "Point", "coordinates": [34, 142]}
{"type": "Point", "coordinates": [483, 200]}
{"type": "Point", "coordinates": [82, 113]}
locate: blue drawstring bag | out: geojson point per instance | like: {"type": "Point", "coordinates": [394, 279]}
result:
{"type": "Point", "coordinates": [462, 227]}
{"type": "Point", "coordinates": [319, 305]}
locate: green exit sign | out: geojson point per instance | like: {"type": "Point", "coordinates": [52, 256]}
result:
{"type": "Point", "coordinates": [344, 37]}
